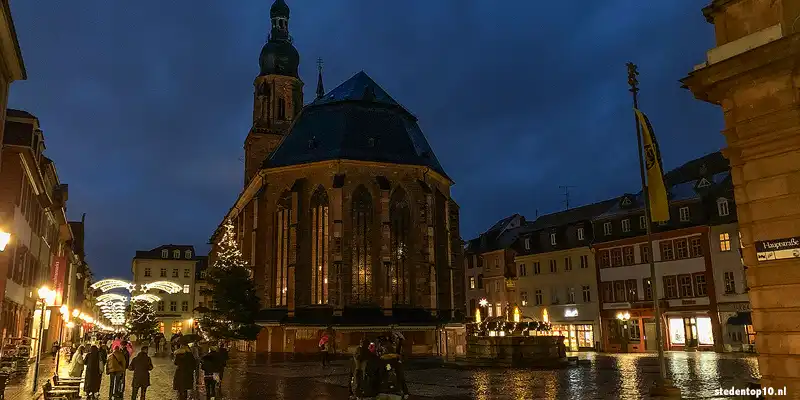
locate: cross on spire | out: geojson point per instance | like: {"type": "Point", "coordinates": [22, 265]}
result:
{"type": "Point", "coordinates": [320, 87]}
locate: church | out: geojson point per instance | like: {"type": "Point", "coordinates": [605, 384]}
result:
{"type": "Point", "coordinates": [346, 217]}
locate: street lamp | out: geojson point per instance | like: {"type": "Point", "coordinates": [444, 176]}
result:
{"type": "Point", "coordinates": [5, 237]}
{"type": "Point", "coordinates": [45, 296]}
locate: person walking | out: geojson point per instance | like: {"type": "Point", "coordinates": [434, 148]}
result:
{"type": "Point", "coordinates": [55, 348]}
{"type": "Point", "coordinates": [156, 343]}
{"type": "Point", "coordinates": [183, 381]}
{"type": "Point", "coordinates": [76, 365]}
{"type": "Point", "coordinates": [115, 367]}
{"type": "Point", "coordinates": [325, 347]}
{"type": "Point", "coordinates": [94, 373]}
{"type": "Point", "coordinates": [223, 356]}
{"type": "Point", "coordinates": [141, 365]}
{"type": "Point", "coordinates": [212, 365]}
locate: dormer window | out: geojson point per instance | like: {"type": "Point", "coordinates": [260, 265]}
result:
{"type": "Point", "coordinates": [164, 253]}
{"type": "Point", "coordinates": [188, 254]}
{"type": "Point", "coordinates": [642, 222]}
{"type": "Point", "coordinates": [626, 225]}
{"type": "Point", "coordinates": [684, 214]}
{"type": "Point", "coordinates": [626, 201]}
{"type": "Point", "coordinates": [527, 243]}
{"type": "Point", "coordinates": [553, 239]}
{"type": "Point", "coordinates": [703, 183]}
{"type": "Point", "coordinates": [176, 254]}
{"type": "Point", "coordinates": [580, 234]}
{"type": "Point", "coordinates": [722, 207]}
{"type": "Point", "coordinates": [607, 228]}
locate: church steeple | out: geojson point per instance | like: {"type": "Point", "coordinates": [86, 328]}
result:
{"type": "Point", "coordinates": [320, 87]}
{"type": "Point", "coordinates": [279, 14]}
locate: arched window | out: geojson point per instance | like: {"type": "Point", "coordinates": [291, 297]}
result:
{"type": "Point", "coordinates": [722, 207]}
{"type": "Point", "coordinates": [361, 254]}
{"type": "Point", "coordinates": [319, 247]}
{"type": "Point", "coordinates": [283, 218]}
{"type": "Point", "coordinates": [400, 217]}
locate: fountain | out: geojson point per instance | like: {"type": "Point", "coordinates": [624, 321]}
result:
{"type": "Point", "coordinates": [513, 341]}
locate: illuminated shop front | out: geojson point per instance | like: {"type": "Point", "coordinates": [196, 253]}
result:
{"type": "Point", "coordinates": [578, 334]}
{"type": "Point", "coordinates": [690, 331]}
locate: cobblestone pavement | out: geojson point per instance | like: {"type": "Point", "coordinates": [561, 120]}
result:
{"type": "Point", "coordinates": [623, 376]}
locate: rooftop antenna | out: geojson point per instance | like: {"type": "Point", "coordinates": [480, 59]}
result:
{"type": "Point", "coordinates": [320, 87]}
{"type": "Point", "coordinates": [566, 194]}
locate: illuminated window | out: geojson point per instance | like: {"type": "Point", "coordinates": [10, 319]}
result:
{"type": "Point", "coordinates": [523, 297]}
{"type": "Point", "coordinates": [319, 246]}
{"type": "Point", "coordinates": [161, 327]}
{"type": "Point", "coordinates": [361, 246]}
{"type": "Point", "coordinates": [185, 288]}
{"type": "Point", "coordinates": [472, 282]}
{"type": "Point", "coordinates": [400, 217]}
{"type": "Point", "coordinates": [724, 242]}
{"type": "Point", "coordinates": [282, 245]}
{"type": "Point", "coordinates": [177, 327]}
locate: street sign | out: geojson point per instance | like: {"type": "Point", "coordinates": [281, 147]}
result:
{"type": "Point", "coordinates": [779, 249]}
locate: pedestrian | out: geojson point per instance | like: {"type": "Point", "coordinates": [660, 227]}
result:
{"type": "Point", "coordinates": [94, 373]}
{"type": "Point", "coordinates": [115, 367]}
{"type": "Point", "coordinates": [156, 342]}
{"type": "Point", "coordinates": [55, 348]}
{"type": "Point", "coordinates": [324, 348]}
{"type": "Point", "coordinates": [141, 365]}
{"type": "Point", "coordinates": [183, 381]}
{"type": "Point", "coordinates": [212, 365]}
{"type": "Point", "coordinates": [76, 365]}
{"type": "Point", "coordinates": [223, 356]}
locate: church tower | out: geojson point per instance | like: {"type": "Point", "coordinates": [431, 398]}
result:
{"type": "Point", "coordinates": [278, 95]}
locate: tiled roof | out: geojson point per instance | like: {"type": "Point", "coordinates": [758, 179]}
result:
{"type": "Point", "coordinates": [156, 252]}
{"type": "Point", "coordinates": [356, 121]}
{"type": "Point", "coordinates": [571, 216]}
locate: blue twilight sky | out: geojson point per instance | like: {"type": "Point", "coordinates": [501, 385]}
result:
{"type": "Point", "coordinates": [145, 104]}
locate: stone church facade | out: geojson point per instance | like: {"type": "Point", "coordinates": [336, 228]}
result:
{"type": "Point", "coordinates": [346, 216]}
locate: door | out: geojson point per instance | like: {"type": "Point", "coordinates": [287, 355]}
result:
{"type": "Point", "coordinates": [650, 336]}
{"type": "Point", "coordinates": [690, 326]}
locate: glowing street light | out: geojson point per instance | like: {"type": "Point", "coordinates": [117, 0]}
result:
{"type": "Point", "coordinates": [46, 296]}
{"type": "Point", "coordinates": [76, 313]}
{"type": "Point", "coordinates": [5, 237]}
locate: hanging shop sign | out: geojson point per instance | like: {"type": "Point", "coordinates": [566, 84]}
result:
{"type": "Point", "coordinates": [779, 249]}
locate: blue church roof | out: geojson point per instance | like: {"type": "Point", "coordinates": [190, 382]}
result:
{"type": "Point", "coordinates": [357, 120]}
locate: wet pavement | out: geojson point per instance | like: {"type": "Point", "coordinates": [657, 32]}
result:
{"type": "Point", "coordinates": [623, 376]}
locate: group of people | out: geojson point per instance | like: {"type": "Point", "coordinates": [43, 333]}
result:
{"type": "Point", "coordinates": [377, 369]}
{"type": "Point", "coordinates": [114, 356]}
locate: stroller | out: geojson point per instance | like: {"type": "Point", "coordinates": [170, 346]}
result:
{"type": "Point", "coordinates": [378, 373]}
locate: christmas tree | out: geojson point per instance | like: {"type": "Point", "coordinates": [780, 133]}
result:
{"type": "Point", "coordinates": [233, 293]}
{"type": "Point", "coordinates": [142, 319]}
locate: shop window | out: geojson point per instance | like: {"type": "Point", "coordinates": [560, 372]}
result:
{"type": "Point", "coordinates": [645, 251]}
{"type": "Point", "coordinates": [603, 259]}
{"type": "Point", "coordinates": [627, 255]}
{"type": "Point", "coordinates": [730, 282]}
{"type": "Point", "coordinates": [585, 335]}
{"type": "Point", "coordinates": [685, 285]}
{"type": "Point", "coordinates": [677, 334]}
{"type": "Point", "coordinates": [700, 288]}
{"type": "Point", "coordinates": [681, 249]}
{"type": "Point", "coordinates": [670, 287]}
{"type": "Point", "coordinates": [696, 246]}
{"type": "Point", "coordinates": [667, 253]}
{"type": "Point", "coordinates": [537, 296]}
{"type": "Point", "coordinates": [608, 292]}
{"type": "Point", "coordinates": [648, 289]}
{"type": "Point", "coordinates": [631, 290]}
{"type": "Point", "coordinates": [705, 335]}
{"type": "Point", "coordinates": [616, 257]}
{"type": "Point", "coordinates": [177, 327]}
{"type": "Point", "coordinates": [633, 330]}
{"type": "Point", "coordinates": [619, 291]}
{"type": "Point", "coordinates": [537, 268]}
{"type": "Point", "coordinates": [724, 242]}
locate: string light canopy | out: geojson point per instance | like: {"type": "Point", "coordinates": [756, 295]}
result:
{"type": "Point", "coordinates": [167, 286]}
{"type": "Point", "coordinates": [150, 298]}
{"type": "Point", "coordinates": [110, 297]}
{"type": "Point", "coordinates": [111, 284]}
{"type": "Point", "coordinates": [228, 253]}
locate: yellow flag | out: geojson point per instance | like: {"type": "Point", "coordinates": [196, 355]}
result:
{"type": "Point", "coordinates": [656, 190]}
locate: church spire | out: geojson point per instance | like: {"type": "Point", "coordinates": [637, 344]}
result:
{"type": "Point", "coordinates": [279, 14]}
{"type": "Point", "coordinates": [320, 87]}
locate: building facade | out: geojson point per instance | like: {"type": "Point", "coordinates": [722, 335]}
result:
{"type": "Point", "coordinates": [683, 258]}
{"type": "Point", "coordinates": [12, 67]}
{"type": "Point", "coordinates": [752, 75]}
{"type": "Point", "coordinates": [346, 215]}
{"type": "Point", "coordinates": [473, 271]}
{"type": "Point", "coordinates": [730, 282]}
{"type": "Point", "coordinates": [169, 270]}
{"type": "Point", "coordinates": [493, 252]}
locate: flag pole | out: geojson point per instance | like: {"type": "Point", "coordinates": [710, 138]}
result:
{"type": "Point", "coordinates": [634, 84]}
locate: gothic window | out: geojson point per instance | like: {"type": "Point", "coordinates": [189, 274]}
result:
{"type": "Point", "coordinates": [361, 245]}
{"type": "Point", "coordinates": [319, 247]}
{"type": "Point", "coordinates": [400, 217]}
{"type": "Point", "coordinates": [283, 217]}
{"type": "Point", "coordinates": [281, 109]}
